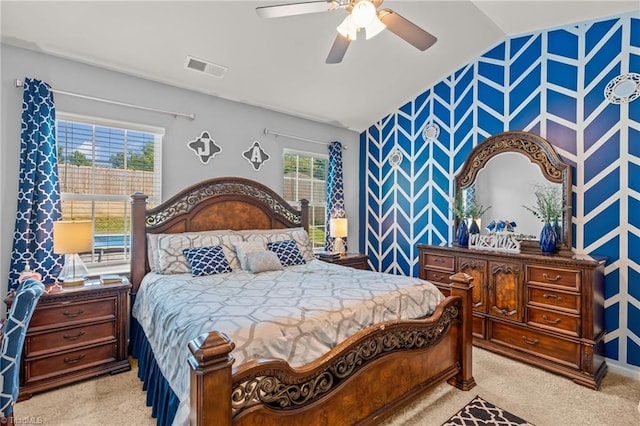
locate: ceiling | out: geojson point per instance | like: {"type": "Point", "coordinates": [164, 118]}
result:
{"type": "Point", "coordinates": [279, 63]}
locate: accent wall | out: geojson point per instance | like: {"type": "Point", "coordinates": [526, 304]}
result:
{"type": "Point", "coordinates": [551, 83]}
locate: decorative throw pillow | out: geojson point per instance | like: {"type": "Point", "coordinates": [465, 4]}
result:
{"type": "Point", "coordinates": [287, 252]}
{"type": "Point", "coordinates": [243, 248]}
{"type": "Point", "coordinates": [207, 261]}
{"type": "Point", "coordinates": [263, 261]}
{"type": "Point", "coordinates": [300, 236]}
{"type": "Point", "coordinates": [171, 259]}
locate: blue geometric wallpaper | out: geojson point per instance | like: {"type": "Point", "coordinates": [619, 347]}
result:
{"type": "Point", "coordinates": [551, 83]}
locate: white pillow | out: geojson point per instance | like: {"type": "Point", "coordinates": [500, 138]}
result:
{"type": "Point", "coordinates": [171, 259]}
{"type": "Point", "coordinates": [243, 248]}
{"type": "Point", "coordinates": [299, 235]}
{"type": "Point", "coordinates": [263, 261]}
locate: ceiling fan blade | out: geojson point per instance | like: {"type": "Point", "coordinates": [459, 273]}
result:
{"type": "Point", "coordinates": [290, 9]}
{"type": "Point", "coordinates": [338, 49]}
{"type": "Point", "coordinates": [406, 30]}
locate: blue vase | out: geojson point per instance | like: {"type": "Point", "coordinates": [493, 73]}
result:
{"type": "Point", "coordinates": [474, 228]}
{"type": "Point", "coordinates": [548, 239]}
{"type": "Point", "coordinates": [462, 236]}
{"type": "Point", "coordinates": [556, 228]}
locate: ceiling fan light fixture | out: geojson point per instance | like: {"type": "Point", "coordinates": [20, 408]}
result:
{"type": "Point", "coordinates": [348, 28]}
{"type": "Point", "coordinates": [374, 28]}
{"type": "Point", "coordinates": [363, 13]}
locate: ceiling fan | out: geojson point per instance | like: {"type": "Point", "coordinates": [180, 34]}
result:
{"type": "Point", "coordinates": [362, 15]}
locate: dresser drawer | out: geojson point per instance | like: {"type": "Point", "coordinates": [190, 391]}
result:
{"type": "Point", "coordinates": [545, 297]}
{"type": "Point", "coordinates": [67, 313]}
{"type": "Point", "coordinates": [537, 343]}
{"type": "Point", "coordinates": [51, 366]}
{"type": "Point", "coordinates": [554, 320]}
{"type": "Point", "coordinates": [439, 261]}
{"type": "Point", "coordinates": [40, 344]}
{"type": "Point", "coordinates": [563, 278]}
{"type": "Point", "coordinates": [437, 277]}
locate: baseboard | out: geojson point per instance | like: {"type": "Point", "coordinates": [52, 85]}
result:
{"type": "Point", "coordinates": [623, 369]}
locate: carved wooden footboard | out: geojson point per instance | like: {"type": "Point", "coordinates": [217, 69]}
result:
{"type": "Point", "coordinates": [363, 379]}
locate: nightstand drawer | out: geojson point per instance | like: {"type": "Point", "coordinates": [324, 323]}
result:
{"type": "Point", "coordinates": [40, 344]}
{"type": "Point", "coordinates": [73, 312]}
{"type": "Point", "coordinates": [47, 367]}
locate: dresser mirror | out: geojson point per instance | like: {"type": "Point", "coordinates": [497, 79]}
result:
{"type": "Point", "coordinates": [503, 172]}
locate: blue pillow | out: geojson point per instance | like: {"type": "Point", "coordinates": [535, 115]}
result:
{"type": "Point", "coordinates": [207, 261]}
{"type": "Point", "coordinates": [287, 251]}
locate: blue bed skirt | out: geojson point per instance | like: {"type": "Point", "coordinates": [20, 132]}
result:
{"type": "Point", "coordinates": [160, 396]}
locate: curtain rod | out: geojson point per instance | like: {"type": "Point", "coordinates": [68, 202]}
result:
{"type": "Point", "coordinates": [300, 138]}
{"type": "Point", "coordinates": [109, 101]}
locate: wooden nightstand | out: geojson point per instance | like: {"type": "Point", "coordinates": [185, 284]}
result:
{"type": "Point", "coordinates": [354, 260]}
{"type": "Point", "coordinates": [75, 333]}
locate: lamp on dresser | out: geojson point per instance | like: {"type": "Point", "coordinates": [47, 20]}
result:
{"type": "Point", "coordinates": [338, 229]}
{"type": "Point", "coordinates": [71, 238]}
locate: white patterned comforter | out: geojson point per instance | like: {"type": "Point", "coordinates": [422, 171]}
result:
{"type": "Point", "coordinates": [297, 314]}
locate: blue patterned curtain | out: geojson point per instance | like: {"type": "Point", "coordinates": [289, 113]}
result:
{"type": "Point", "coordinates": [38, 192]}
{"type": "Point", "coordinates": [335, 191]}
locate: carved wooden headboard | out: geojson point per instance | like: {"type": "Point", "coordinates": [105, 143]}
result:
{"type": "Point", "coordinates": [219, 203]}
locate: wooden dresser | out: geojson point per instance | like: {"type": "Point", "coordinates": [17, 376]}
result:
{"type": "Point", "coordinates": [74, 334]}
{"type": "Point", "coordinates": [547, 311]}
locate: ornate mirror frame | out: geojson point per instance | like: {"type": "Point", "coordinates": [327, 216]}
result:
{"type": "Point", "coordinates": [540, 152]}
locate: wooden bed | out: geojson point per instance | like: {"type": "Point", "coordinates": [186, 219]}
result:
{"type": "Point", "coordinates": [362, 380]}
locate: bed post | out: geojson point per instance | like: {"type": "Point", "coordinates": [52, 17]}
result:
{"type": "Point", "coordinates": [210, 360]}
{"type": "Point", "coordinates": [138, 240]}
{"type": "Point", "coordinates": [461, 285]}
{"type": "Point", "coordinates": [304, 208]}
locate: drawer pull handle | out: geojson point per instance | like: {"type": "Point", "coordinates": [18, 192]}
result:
{"type": "Point", "coordinates": [73, 314]}
{"type": "Point", "coordinates": [68, 360]}
{"type": "Point", "coordinates": [551, 280]}
{"type": "Point", "coordinates": [551, 296]}
{"type": "Point", "coordinates": [76, 337]}
{"type": "Point", "coordinates": [556, 321]}
{"type": "Point", "coordinates": [508, 313]}
{"type": "Point", "coordinates": [530, 342]}
{"type": "Point", "coordinates": [438, 277]}
{"type": "Point", "coordinates": [475, 305]}
{"type": "Point", "coordinates": [438, 260]}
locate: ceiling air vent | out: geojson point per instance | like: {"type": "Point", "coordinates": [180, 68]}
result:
{"type": "Point", "coordinates": [210, 68]}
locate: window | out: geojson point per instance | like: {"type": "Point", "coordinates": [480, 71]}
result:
{"type": "Point", "coordinates": [305, 176]}
{"type": "Point", "coordinates": [100, 164]}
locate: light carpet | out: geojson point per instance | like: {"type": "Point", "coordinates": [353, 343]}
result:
{"type": "Point", "coordinates": [539, 397]}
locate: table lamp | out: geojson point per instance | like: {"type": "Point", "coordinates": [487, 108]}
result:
{"type": "Point", "coordinates": [71, 238]}
{"type": "Point", "coordinates": [338, 230]}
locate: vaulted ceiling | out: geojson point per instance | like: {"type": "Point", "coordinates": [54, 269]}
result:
{"type": "Point", "coordinates": [279, 63]}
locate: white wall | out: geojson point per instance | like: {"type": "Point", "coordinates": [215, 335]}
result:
{"type": "Point", "coordinates": [233, 125]}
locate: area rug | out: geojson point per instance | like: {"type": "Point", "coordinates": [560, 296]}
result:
{"type": "Point", "coordinates": [480, 412]}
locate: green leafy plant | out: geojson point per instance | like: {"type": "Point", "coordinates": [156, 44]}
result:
{"type": "Point", "coordinates": [471, 209]}
{"type": "Point", "coordinates": [549, 205]}
{"type": "Point", "coordinates": [475, 210]}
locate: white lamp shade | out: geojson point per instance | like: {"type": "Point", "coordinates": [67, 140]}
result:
{"type": "Point", "coordinates": [374, 28]}
{"type": "Point", "coordinates": [70, 237]}
{"type": "Point", "coordinates": [338, 227]}
{"type": "Point", "coordinates": [363, 12]}
{"type": "Point", "coordinates": [348, 29]}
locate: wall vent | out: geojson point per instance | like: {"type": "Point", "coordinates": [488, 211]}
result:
{"type": "Point", "coordinates": [210, 68]}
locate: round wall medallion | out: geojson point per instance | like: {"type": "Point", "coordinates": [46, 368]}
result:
{"type": "Point", "coordinates": [395, 157]}
{"type": "Point", "coordinates": [431, 132]}
{"type": "Point", "coordinates": [623, 89]}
